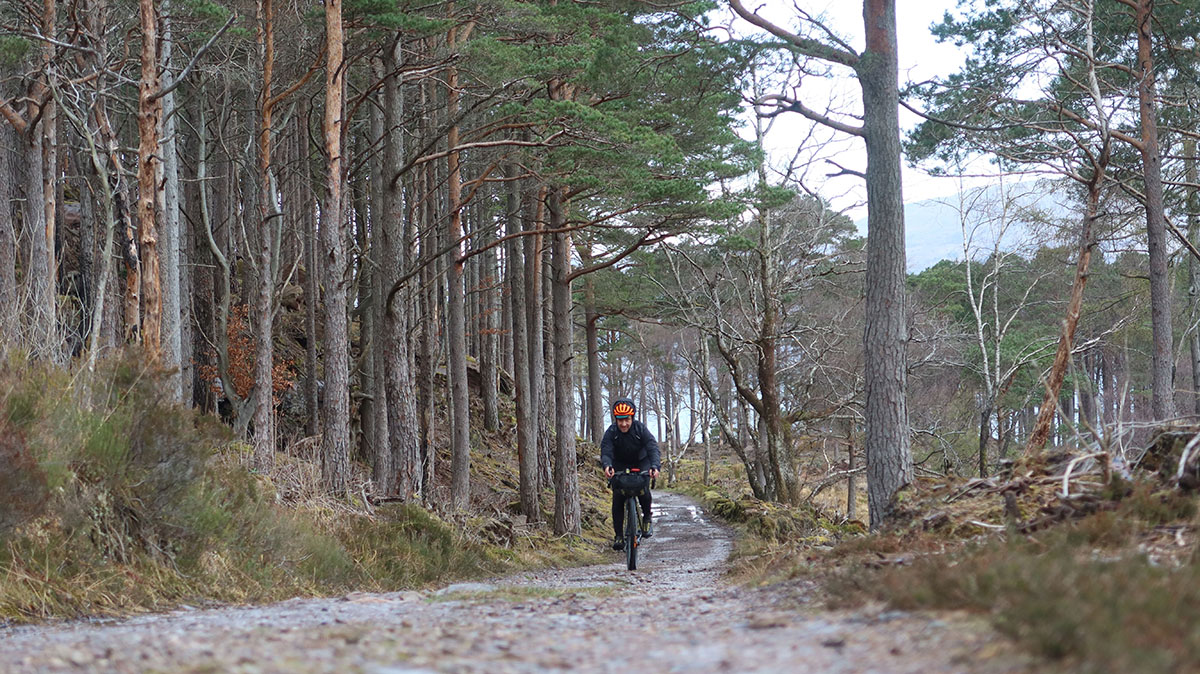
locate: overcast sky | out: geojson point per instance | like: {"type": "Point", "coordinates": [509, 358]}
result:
{"type": "Point", "coordinates": [921, 57]}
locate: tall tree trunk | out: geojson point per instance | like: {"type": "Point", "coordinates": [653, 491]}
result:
{"type": "Point", "coordinates": [1162, 386]}
{"type": "Point", "coordinates": [335, 440]}
{"type": "Point", "coordinates": [401, 409]}
{"type": "Point", "coordinates": [149, 119]}
{"type": "Point", "coordinates": [429, 358]}
{"type": "Point", "coordinates": [263, 321]}
{"type": "Point", "coordinates": [312, 290]}
{"type": "Point", "coordinates": [374, 339]}
{"type": "Point", "coordinates": [526, 424]}
{"type": "Point", "coordinates": [533, 322]}
{"type": "Point", "coordinates": [47, 308]}
{"type": "Point", "coordinates": [1041, 429]}
{"type": "Point", "coordinates": [169, 254]}
{"type": "Point", "coordinates": [595, 397]}
{"type": "Point", "coordinates": [488, 338]}
{"type": "Point", "coordinates": [1192, 176]}
{"type": "Point", "coordinates": [8, 239]}
{"type": "Point", "coordinates": [460, 409]}
{"type": "Point", "coordinates": [40, 338]}
{"type": "Point", "coordinates": [709, 404]}
{"type": "Point", "coordinates": [567, 519]}
{"type": "Point", "coordinates": [768, 364]}
{"type": "Point", "coordinates": [546, 440]}
{"type": "Point", "coordinates": [888, 444]}
{"type": "Point", "coordinates": [224, 273]}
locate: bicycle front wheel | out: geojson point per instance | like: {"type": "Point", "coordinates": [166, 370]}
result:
{"type": "Point", "coordinates": [631, 533]}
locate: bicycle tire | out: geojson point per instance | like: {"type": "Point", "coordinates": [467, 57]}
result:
{"type": "Point", "coordinates": [631, 533]}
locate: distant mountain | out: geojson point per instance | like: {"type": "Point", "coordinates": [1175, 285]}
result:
{"type": "Point", "coordinates": [934, 227]}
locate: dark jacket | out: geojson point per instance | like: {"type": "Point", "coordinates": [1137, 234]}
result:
{"type": "Point", "coordinates": [635, 449]}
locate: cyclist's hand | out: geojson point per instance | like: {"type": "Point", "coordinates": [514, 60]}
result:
{"type": "Point", "coordinates": [654, 473]}
{"type": "Point", "coordinates": [609, 472]}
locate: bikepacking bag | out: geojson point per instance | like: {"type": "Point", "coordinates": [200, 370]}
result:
{"type": "Point", "coordinates": [630, 484]}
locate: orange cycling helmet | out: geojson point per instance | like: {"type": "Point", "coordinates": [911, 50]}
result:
{"type": "Point", "coordinates": [622, 409]}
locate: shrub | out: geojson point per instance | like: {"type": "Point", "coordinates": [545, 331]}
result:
{"type": "Point", "coordinates": [114, 498]}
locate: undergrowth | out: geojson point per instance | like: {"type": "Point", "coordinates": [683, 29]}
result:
{"type": "Point", "coordinates": [1113, 590]}
{"type": "Point", "coordinates": [774, 538]}
{"type": "Point", "coordinates": [1084, 593]}
{"type": "Point", "coordinates": [114, 500]}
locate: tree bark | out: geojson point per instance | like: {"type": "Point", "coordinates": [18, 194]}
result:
{"type": "Point", "coordinates": [263, 321]}
{"type": "Point", "coordinates": [533, 318]}
{"type": "Point", "coordinates": [595, 396]}
{"type": "Point", "coordinates": [335, 440]}
{"type": "Point", "coordinates": [8, 239]}
{"type": "Point", "coordinates": [149, 119]}
{"type": "Point", "coordinates": [526, 429]}
{"type": "Point", "coordinates": [375, 338]}
{"type": "Point", "coordinates": [488, 338]}
{"type": "Point", "coordinates": [1043, 426]}
{"type": "Point", "coordinates": [460, 409]}
{"type": "Point", "coordinates": [169, 254]}
{"type": "Point", "coordinates": [401, 408]}
{"type": "Point", "coordinates": [312, 295]}
{"type": "Point", "coordinates": [888, 445]}
{"type": "Point", "coordinates": [1162, 385]}
{"type": "Point", "coordinates": [567, 518]}
{"type": "Point", "coordinates": [1192, 176]}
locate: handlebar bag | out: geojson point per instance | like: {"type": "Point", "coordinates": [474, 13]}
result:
{"type": "Point", "coordinates": [630, 484]}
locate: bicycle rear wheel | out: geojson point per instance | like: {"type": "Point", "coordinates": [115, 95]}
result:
{"type": "Point", "coordinates": [631, 533]}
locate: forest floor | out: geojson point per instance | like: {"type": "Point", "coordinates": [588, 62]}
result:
{"type": "Point", "coordinates": [676, 613]}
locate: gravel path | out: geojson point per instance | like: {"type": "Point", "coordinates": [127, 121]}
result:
{"type": "Point", "coordinates": [672, 615]}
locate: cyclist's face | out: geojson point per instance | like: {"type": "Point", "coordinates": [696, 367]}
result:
{"type": "Point", "coordinates": [623, 423]}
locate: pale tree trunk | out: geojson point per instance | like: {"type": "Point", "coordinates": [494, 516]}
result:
{"type": "Point", "coordinates": [488, 340]}
{"type": "Point", "coordinates": [1192, 176]}
{"type": "Point", "coordinates": [8, 239]}
{"type": "Point", "coordinates": [1162, 386]}
{"type": "Point", "coordinates": [430, 312]}
{"type": "Point", "coordinates": [595, 402]}
{"type": "Point", "coordinates": [149, 119]}
{"type": "Point", "coordinates": [567, 519]}
{"type": "Point", "coordinates": [460, 410]}
{"type": "Point", "coordinates": [263, 320]}
{"type": "Point", "coordinates": [709, 405]}
{"type": "Point", "coordinates": [888, 444]}
{"type": "Point", "coordinates": [38, 282]}
{"type": "Point", "coordinates": [335, 439]}
{"type": "Point", "coordinates": [533, 322]}
{"type": "Point", "coordinates": [223, 272]}
{"type": "Point", "coordinates": [48, 308]}
{"type": "Point", "coordinates": [526, 431]}
{"type": "Point", "coordinates": [169, 258]}
{"type": "Point", "coordinates": [103, 187]}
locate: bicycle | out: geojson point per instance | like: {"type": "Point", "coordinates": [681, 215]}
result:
{"type": "Point", "coordinates": [631, 483]}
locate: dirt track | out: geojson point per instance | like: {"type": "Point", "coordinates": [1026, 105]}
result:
{"type": "Point", "coordinates": [672, 615]}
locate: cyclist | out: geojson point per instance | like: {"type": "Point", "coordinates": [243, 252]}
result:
{"type": "Point", "coordinates": [629, 444]}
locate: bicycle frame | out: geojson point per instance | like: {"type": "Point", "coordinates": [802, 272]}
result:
{"type": "Point", "coordinates": [633, 531]}
{"type": "Point", "coordinates": [632, 515]}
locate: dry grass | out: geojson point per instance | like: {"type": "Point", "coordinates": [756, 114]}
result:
{"type": "Point", "coordinates": [1104, 580]}
{"type": "Point", "coordinates": [146, 505]}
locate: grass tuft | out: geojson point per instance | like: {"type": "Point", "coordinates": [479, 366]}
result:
{"type": "Point", "coordinates": [115, 500]}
